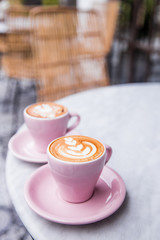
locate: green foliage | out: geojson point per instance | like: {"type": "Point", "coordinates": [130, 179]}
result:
{"type": "Point", "coordinates": [149, 6]}
{"type": "Point", "coordinates": [50, 2]}
{"type": "Point", "coordinates": [125, 13]}
{"type": "Point", "coordinates": [145, 11]}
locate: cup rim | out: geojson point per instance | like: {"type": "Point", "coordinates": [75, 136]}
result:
{"type": "Point", "coordinates": [45, 119]}
{"type": "Point", "coordinates": [70, 162]}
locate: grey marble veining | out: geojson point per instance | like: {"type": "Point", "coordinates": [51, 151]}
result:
{"type": "Point", "coordinates": [127, 118]}
{"type": "Point", "coordinates": [12, 103]}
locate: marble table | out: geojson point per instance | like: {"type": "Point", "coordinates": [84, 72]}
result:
{"type": "Point", "coordinates": [127, 117]}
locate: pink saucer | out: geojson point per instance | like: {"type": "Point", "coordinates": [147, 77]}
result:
{"type": "Point", "coordinates": [42, 196]}
{"type": "Point", "coordinates": [22, 146]}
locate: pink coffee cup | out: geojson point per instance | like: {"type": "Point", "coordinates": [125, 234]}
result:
{"type": "Point", "coordinates": [44, 130]}
{"type": "Point", "coordinates": [76, 180]}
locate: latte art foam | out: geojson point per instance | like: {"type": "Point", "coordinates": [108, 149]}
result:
{"type": "Point", "coordinates": [46, 110]}
{"type": "Point", "coordinates": [76, 148]}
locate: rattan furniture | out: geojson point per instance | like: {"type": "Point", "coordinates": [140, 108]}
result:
{"type": "Point", "coordinates": [69, 46]}
{"type": "Point", "coordinates": [18, 59]}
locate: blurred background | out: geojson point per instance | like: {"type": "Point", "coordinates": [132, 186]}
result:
{"type": "Point", "coordinates": [50, 49]}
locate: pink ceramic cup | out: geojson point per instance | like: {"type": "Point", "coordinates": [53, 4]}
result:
{"type": "Point", "coordinates": [45, 130]}
{"type": "Point", "coordinates": [76, 180]}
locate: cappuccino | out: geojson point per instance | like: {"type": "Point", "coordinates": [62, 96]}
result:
{"type": "Point", "coordinates": [46, 110]}
{"type": "Point", "coordinates": [76, 148]}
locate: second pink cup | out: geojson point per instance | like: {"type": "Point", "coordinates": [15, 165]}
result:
{"type": "Point", "coordinates": [45, 130]}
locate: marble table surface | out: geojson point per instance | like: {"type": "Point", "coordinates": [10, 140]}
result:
{"type": "Point", "coordinates": [127, 117]}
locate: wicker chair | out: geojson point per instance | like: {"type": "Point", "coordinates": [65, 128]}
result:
{"type": "Point", "coordinates": [2, 43]}
{"type": "Point", "coordinates": [18, 59]}
{"type": "Point", "coordinates": [69, 49]}
{"type": "Point", "coordinates": [108, 11]}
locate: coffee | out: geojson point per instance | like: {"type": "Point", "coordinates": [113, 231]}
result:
{"type": "Point", "coordinates": [46, 110]}
{"type": "Point", "coordinates": [76, 148]}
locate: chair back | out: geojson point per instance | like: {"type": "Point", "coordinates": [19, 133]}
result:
{"type": "Point", "coordinates": [69, 51]}
{"type": "Point", "coordinates": [109, 12]}
{"type": "Point", "coordinates": [18, 59]}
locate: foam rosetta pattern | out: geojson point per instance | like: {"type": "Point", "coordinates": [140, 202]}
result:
{"type": "Point", "coordinates": [46, 110]}
{"type": "Point", "coordinates": [76, 148]}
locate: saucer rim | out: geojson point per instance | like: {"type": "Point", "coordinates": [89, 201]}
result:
{"type": "Point", "coordinates": [22, 157]}
{"type": "Point", "coordinates": [74, 221]}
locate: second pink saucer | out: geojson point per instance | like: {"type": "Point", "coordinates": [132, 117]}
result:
{"type": "Point", "coordinates": [22, 146]}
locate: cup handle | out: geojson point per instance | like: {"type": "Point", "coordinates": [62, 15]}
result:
{"type": "Point", "coordinates": [74, 124]}
{"type": "Point", "coordinates": [109, 153]}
